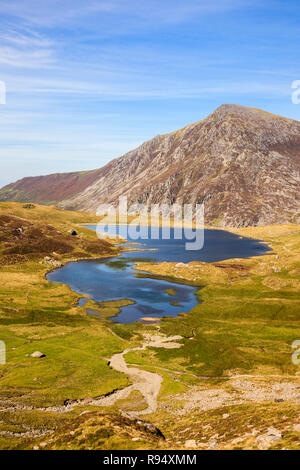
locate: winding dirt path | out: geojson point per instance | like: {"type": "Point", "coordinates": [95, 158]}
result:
{"type": "Point", "coordinates": [147, 383]}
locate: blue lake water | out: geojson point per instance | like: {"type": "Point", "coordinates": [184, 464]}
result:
{"type": "Point", "coordinates": [114, 278]}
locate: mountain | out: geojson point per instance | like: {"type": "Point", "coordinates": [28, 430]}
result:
{"type": "Point", "coordinates": [50, 189]}
{"type": "Point", "coordinates": [243, 163]}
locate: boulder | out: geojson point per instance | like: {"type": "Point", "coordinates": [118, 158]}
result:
{"type": "Point", "coordinates": [143, 425]}
{"type": "Point", "coordinates": [190, 443]}
{"type": "Point", "coordinates": [37, 354]}
{"type": "Point", "coordinates": [52, 262]}
{"type": "Point", "coordinates": [266, 440]}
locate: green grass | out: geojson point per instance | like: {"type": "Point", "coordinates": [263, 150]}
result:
{"type": "Point", "coordinates": [36, 314]}
{"type": "Point", "coordinates": [240, 324]}
{"type": "Point", "coordinates": [246, 322]}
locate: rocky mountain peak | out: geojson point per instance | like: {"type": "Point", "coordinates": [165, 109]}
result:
{"type": "Point", "coordinates": [243, 163]}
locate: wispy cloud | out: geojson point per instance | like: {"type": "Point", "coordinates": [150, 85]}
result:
{"type": "Point", "coordinates": [89, 79]}
{"type": "Point", "coordinates": [25, 49]}
{"type": "Point", "coordinates": [25, 38]}
{"type": "Point", "coordinates": [54, 12]}
{"type": "Point", "coordinates": [26, 59]}
{"type": "Point", "coordinates": [51, 12]}
{"type": "Point", "coordinates": [147, 88]}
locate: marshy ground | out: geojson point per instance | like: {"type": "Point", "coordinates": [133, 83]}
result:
{"type": "Point", "coordinates": [229, 383]}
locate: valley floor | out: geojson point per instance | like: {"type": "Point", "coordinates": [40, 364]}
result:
{"type": "Point", "coordinates": [218, 377]}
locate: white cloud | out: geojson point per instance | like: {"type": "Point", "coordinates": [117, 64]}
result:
{"type": "Point", "coordinates": [25, 59]}
{"type": "Point", "coordinates": [69, 75]}
{"type": "Point", "coordinates": [25, 48]}
{"type": "Point", "coordinates": [25, 38]}
{"type": "Point", "coordinates": [51, 12]}
{"type": "Point", "coordinates": [54, 12]}
{"type": "Point", "coordinates": [148, 88]}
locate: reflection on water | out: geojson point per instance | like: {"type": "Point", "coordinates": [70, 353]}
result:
{"type": "Point", "coordinates": [115, 279]}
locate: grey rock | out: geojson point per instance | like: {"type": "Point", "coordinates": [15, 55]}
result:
{"type": "Point", "coordinates": [143, 425]}
{"type": "Point", "coordinates": [37, 354]}
{"type": "Point", "coordinates": [190, 443]}
{"type": "Point", "coordinates": [52, 262]}
{"type": "Point", "coordinates": [266, 440]}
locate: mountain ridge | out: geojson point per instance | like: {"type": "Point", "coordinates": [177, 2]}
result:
{"type": "Point", "coordinates": [243, 163]}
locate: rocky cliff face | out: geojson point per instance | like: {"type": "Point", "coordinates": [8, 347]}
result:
{"type": "Point", "coordinates": [243, 163]}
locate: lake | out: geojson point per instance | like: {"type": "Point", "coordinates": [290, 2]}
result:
{"type": "Point", "coordinates": [115, 279]}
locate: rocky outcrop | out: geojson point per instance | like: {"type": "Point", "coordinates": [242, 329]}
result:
{"type": "Point", "coordinates": [243, 163]}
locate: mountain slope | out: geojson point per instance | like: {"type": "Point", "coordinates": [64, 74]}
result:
{"type": "Point", "coordinates": [243, 163]}
{"type": "Point", "coordinates": [48, 189]}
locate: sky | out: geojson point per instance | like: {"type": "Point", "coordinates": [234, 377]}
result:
{"type": "Point", "coordinates": [88, 80]}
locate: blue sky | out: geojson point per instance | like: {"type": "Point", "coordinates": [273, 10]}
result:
{"type": "Point", "coordinates": [89, 80]}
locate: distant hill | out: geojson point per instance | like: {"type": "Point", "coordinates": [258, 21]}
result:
{"type": "Point", "coordinates": [243, 163]}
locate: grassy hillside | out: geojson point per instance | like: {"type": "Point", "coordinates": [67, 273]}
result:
{"type": "Point", "coordinates": [250, 309]}
{"type": "Point", "coordinates": [38, 315]}
{"type": "Point", "coordinates": [230, 380]}
{"type": "Point", "coordinates": [49, 189]}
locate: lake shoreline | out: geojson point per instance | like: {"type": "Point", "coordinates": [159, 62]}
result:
{"type": "Point", "coordinates": [236, 344]}
{"type": "Point", "coordinates": [128, 261]}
